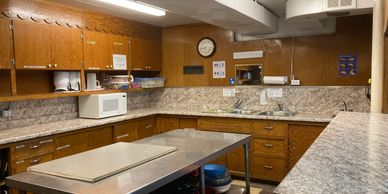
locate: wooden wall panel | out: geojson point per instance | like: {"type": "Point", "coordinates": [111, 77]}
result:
{"type": "Point", "coordinates": [34, 82]}
{"type": "Point", "coordinates": [5, 83]}
{"type": "Point", "coordinates": [315, 59]}
{"type": "Point", "coordinates": [50, 12]}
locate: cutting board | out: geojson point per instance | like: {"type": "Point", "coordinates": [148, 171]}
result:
{"type": "Point", "coordinates": [97, 164]}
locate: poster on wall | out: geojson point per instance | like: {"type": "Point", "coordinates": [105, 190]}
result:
{"type": "Point", "coordinates": [218, 69]}
{"type": "Point", "coordinates": [347, 65]}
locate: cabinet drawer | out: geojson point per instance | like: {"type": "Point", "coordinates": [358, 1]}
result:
{"type": "Point", "coordinates": [270, 147]}
{"type": "Point", "coordinates": [146, 128]}
{"type": "Point", "coordinates": [225, 125]}
{"type": "Point", "coordinates": [270, 129]}
{"type": "Point", "coordinates": [268, 168]}
{"type": "Point", "coordinates": [70, 144]}
{"type": "Point", "coordinates": [32, 148]}
{"type": "Point", "coordinates": [125, 132]}
{"type": "Point", "coordinates": [22, 164]}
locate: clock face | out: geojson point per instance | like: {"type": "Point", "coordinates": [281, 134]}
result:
{"type": "Point", "coordinates": [206, 47]}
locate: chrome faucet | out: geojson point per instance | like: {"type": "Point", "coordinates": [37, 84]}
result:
{"type": "Point", "coordinates": [237, 105]}
{"type": "Point", "coordinates": [280, 105]}
{"type": "Point", "coordinates": [345, 107]}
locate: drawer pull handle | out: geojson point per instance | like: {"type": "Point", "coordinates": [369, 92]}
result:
{"type": "Point", "coordinates": [122, 136]}
{"type": "Point", "coordinates": [20, 146]}
{"type": "Point", "coordinates": [268, 145]}
{"type": "Point", "coordinates": [34, 147]}
{"type": "Point", "coordinates": [268, 167]}
{"type": "Point", "coordinates": [46, 141]}
{"type": "Point", "coordinates": [35, 161]}
{"type": "Point", "coordinates": [148, 126]}
{"type": "Point", "coordinates": [63, 147]}
{"type": "Point", "coordinates": [19, 161]}
{"type": "Point", "coordinates": [268, 127]}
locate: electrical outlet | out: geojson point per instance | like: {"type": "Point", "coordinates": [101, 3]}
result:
{"type": "Point", "coordinates": [6, 113]}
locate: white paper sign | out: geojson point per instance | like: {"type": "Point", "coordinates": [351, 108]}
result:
{"type": "Point", "coordinates": [219, 69]}
{"type": "Point", "coordinates": [119, 61]}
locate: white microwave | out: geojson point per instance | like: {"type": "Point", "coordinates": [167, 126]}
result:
{"type": "Point", "coordinates": [99, 106]}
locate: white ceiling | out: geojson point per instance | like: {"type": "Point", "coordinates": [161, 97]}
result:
{"type": "Point", "coordinates": [276, 6]}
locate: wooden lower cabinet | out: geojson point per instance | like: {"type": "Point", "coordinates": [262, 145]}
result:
{"type": "Point", "coordinates": [98, 137]}
{"type": "Point", "coordinates": [125, 131]}
{"type": "Point", "coordinates": [146, 127]}
{"type": "Point", "coordinates": [166, 123]}
{"type": "Point", "coordinates": [67, 145]}
{"type": "Point", "coordinates": [187, 122]}
{"type": "Point", "coordinates": [234, 159]}
{"type": "Point", "coordinates": [301, 136]}
{"type": "Point", "coordinates": [266, 168]}
{"type": "Point", "coordinates": [22, 164]}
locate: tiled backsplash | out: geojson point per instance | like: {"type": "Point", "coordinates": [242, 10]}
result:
{"type": "Point", "coordinates": [300, 99]}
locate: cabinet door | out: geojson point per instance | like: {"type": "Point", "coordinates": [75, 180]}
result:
{"type": "Point", "coordinates": [165, 124]}
{"type": "Point", "coordinates": [6, 44]}
{"type": "Point", "coordinates": [300, 139]}
{"type": "Point", "coordinates": [99, 137]}
{"type": "Point", "coordinates": [146, 55]}
{"type": "Point", "coordinates": [125, 131]}
{"type": "Point", "coordinates": [32, 45]}
{"type": "Point", "coordinates": [146, 128]}
{"type": "Point", "coordinates": [97, 51]}
{"type": "Point", "coordinates": [120, 45]}
{"type": "Point", "coordinates": [66, 48]}
{"type": "Point", "coordinates": [188, 123]}
{"type": "Point", "coordinates": [70, 144]}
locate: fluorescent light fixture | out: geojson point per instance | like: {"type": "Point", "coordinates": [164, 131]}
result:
{"type": "Point", "coordinates": [136, 6]}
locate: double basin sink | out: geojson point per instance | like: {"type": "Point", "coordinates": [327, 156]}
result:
{"type": "Point", "coordinates": [250, 112]}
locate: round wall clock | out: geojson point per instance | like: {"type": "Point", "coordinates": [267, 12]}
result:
{"type": "Point", "coordinates": [206, 47]}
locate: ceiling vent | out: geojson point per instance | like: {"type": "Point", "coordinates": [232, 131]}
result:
{"type": "Point", "coordinates": [335, 5]}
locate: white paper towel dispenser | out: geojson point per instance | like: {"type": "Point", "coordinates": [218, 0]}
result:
{"type": "Point", "coordinates": [275, 80]}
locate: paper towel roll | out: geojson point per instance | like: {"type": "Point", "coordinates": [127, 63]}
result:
{"type": "Point", "coordinates": [279, 80]}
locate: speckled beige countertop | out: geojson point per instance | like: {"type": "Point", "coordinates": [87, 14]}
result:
{"type": "Point", "coordinates": [24, 133]}
{"type": "Point", "coordinates": [350, 156]}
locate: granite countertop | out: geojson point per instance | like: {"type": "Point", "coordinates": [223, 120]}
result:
{"type": "Point", "coordinates": [29, 132]}
{"type": "Point", "coordinates": [350, 156]}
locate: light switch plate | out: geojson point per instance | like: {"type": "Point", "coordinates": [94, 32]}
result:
{"type": "Point", "coordinates": [226, 92]}
{"type": "Point", "coordinates": [275, 92]}
{"type": "Point", "coordinates": [6, 113]}
{"type": "Point", "coordinates": [295, 82]}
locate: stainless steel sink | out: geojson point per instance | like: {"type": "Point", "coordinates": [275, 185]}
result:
{"type": "Point", "coordinates": [277, 113]}
{"type": "Point", "coordinates": [230, 111]}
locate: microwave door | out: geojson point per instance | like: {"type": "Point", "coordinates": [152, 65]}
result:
{"type": "Point", "coordinates": [110, 106]}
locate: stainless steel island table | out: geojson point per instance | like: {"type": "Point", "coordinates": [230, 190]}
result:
{"type": "Point", "coordinates": [194, 149]}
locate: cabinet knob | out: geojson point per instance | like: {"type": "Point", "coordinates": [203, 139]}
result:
{"type": "Point", "coordinates": [107, 66]}
{"type": "Point", "coordinates": [268, 127]}
{"type": "Point", "coordinates": [111, 66]}
{"type": "Point", "coordinates": [49, 65]}
{"type": "Point", "coordinates": [55, 65]}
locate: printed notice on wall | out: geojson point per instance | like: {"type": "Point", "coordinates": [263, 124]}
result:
{"type": "Point", "coordinates": [119, 61]}
{"type": "Point", "coordinates": [219, 69]}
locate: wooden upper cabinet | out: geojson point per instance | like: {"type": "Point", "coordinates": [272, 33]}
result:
{"type": "Point", "coordinates": [146, 55]}
{"type": "Point", "coordinates": [99, 49]}
{"type": "Point", "coordinates": [32, 45]}
{"type": "Point", "coordinates": [120, 46]}
{"type": "Point", "coordinates": [66, 48]}
{"type": "Point", "coordinates": [41, 46]}
{"type": "Point", "coordinates": [96, 51]}
{"type": "Point", "coordinates": [6, 44]}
